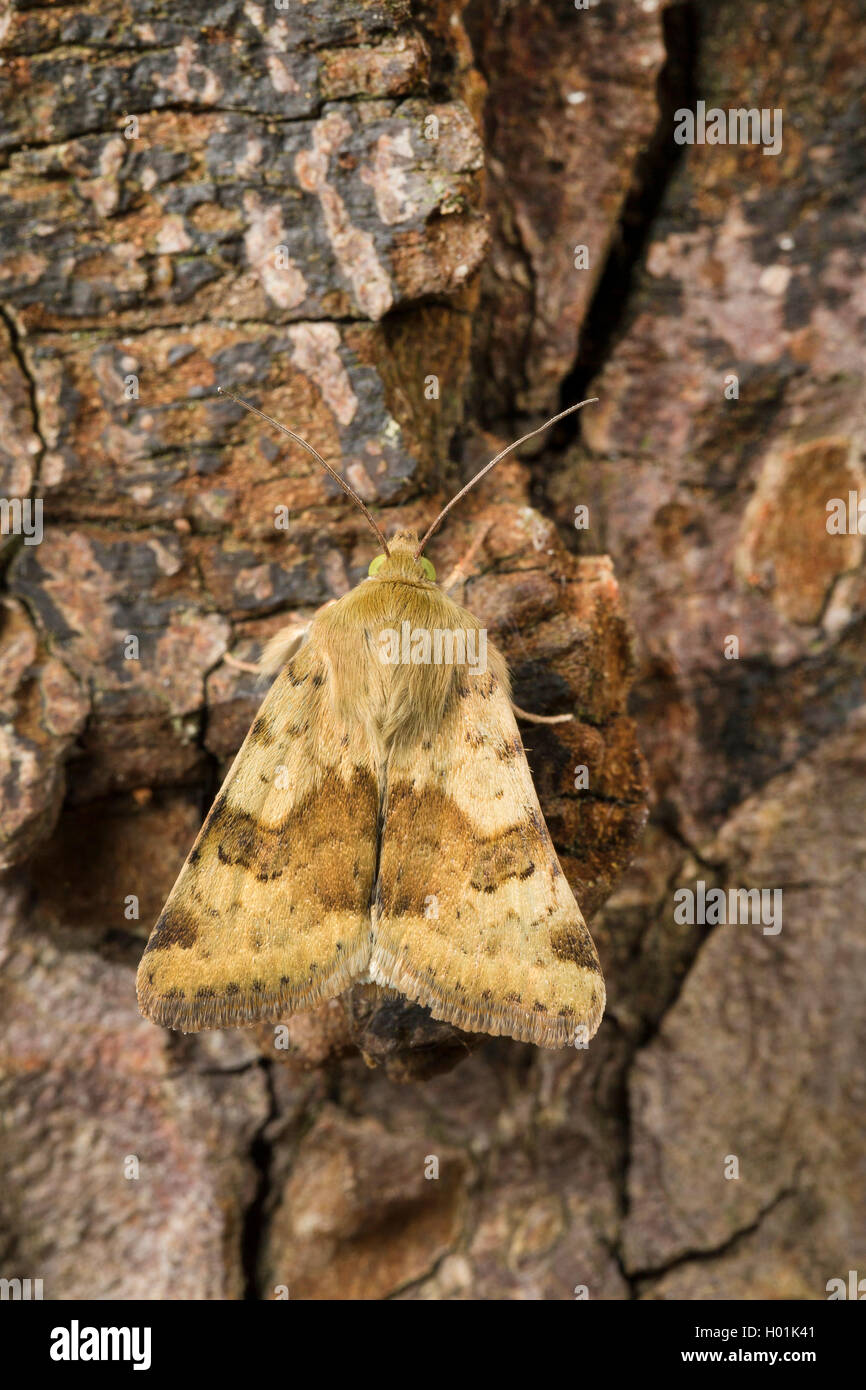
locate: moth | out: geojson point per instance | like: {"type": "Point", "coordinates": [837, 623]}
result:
{"type": "Point", "coordinates": [379, 825]}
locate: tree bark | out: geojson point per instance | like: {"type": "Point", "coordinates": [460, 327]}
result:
{"type": "Point", "coordinates": [371, 216]}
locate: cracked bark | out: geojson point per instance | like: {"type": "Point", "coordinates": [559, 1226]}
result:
{"type": "Point", "coordinates": [305, 1167]}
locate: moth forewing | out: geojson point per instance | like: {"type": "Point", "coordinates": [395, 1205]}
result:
{"type": "Point", "coordinates": [270, 913]}
{"type": "Point", "coordinates": [473, 916]}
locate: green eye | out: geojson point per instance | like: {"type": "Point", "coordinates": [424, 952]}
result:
{"type": "Point", "coordinates": [426, 567]}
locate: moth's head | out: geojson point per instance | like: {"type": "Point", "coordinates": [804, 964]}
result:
{"type": "Point", "coordinates": [403, 562]}
{"type": "Point", "coordinates": [401, 558]}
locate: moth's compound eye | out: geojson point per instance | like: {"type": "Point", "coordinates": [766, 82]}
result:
{"type": "Point", "coordinates": [427, 567]}
{"type": "Point", "coordinates": [376, 565]}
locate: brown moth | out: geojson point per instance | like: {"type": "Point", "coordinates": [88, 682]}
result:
{"type": "Point", "coordinates": [379, 824]}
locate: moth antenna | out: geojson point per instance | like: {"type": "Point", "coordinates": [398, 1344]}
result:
{"type": "Point", "coordinates": [349, 491]}
{"type": "Point", "coordinates": [487, 467]}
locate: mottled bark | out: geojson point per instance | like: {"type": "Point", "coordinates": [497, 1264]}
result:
{"type": "Point", "coordinates": [270, 1161]}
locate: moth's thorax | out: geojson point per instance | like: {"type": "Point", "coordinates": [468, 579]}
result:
{"type": "Point", "coordinates": [398, 651]}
